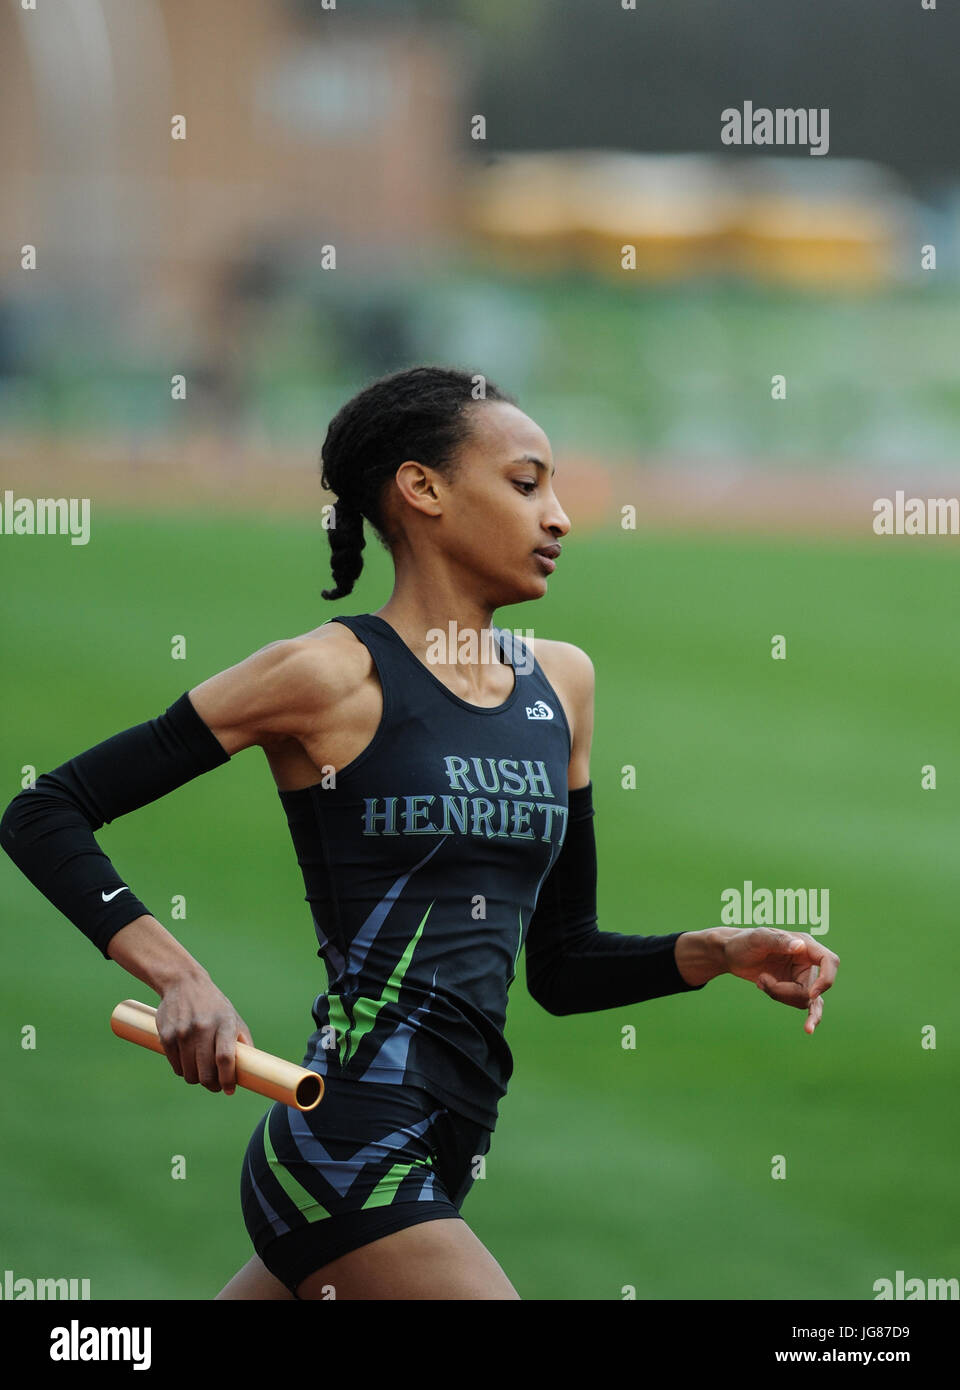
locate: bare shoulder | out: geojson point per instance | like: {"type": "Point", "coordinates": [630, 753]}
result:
{"type": "Point", "coordinates": [570, 671]}
{"type": "Point", "coordinates": [281, 691]}
{"type": "Point", "coordinates": [330, 661]}
{"type": "Point", "coordinates": [568, 662]}
{"type": "Point", "coordinates": [334, 648]}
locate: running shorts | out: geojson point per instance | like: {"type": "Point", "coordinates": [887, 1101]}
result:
{"type": "Point", "coordinates": [370, 1159]}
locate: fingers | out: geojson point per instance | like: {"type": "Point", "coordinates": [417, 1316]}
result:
{"type": "Point", "coordinates": [193, 1053]}
{"type": "Point", "coordinates": [800, 947]}
{"type": "Point", "coordinates": [171, 1046]}
{"type": "Point", "coordinates": [814, 1015]}
{"type": "Point", "coordinates": [203, 1050]}
{"type": "Point", "coordinates": [217, 1054]}
{"type": "Point", "coordinates": [206, 1056]}
{"type": "Point", "coordinates": [225, 1055]}
{"type": "Point", "coordinates": [827, 962]}
{"type": "Point", "coordinates": [786, 991]}
{"type": "Point", "coordinates": [810, 983]}
{"type": "Point", "coordinates": [798, 994]}
{"type": "Point", "coordinates": [242, 1035]}
{"type": "Point", "coordinates": [170, 1037]}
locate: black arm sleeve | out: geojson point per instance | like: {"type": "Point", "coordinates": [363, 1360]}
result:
{"type": "Point", "coordinates": [572, 968]}
{"type": "Point", "coordinates": [47, 830]}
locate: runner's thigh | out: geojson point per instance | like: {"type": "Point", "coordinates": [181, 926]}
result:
{"type": "Point", "coordinates": [436, 1260]}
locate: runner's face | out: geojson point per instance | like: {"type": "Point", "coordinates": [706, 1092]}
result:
{"type": "Point", "coordinates": [502, 505]}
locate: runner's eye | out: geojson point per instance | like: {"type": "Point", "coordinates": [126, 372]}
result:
{"type": "Point", "coordinates": [524, 484]}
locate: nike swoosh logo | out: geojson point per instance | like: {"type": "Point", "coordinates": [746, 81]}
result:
{"type": "Point", "coordinates": [107, 896]}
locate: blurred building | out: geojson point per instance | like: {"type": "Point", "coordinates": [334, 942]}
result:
{"type": "Point", "coordinates": [340, 133]}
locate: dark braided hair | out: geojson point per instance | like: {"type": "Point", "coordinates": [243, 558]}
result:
{"type": "Point", "coordinates": [420, 413]}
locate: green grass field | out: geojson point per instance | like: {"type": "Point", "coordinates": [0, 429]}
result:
{"type": "Point", "coordinates": [647, 1168]}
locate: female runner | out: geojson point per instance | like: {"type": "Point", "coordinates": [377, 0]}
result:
{"type": "Point", "coordinates": [440, 805]}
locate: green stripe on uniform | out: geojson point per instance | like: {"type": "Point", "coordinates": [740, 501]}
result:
{"type": "Point", "coordinates": [386, 1189]}
{"type": "Point", "coordinates": [366, 1011]}
{"type": "Point", "coordinates": [303, 1200]}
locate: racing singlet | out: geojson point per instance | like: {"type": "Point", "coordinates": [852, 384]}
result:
{"type": "Point", "coordinates": [422, 860]}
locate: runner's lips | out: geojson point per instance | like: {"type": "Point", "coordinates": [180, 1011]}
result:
{"type": "Point", "coordinates": [550, 552]}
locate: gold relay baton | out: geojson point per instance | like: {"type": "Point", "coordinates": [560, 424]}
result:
{"type": "Point", "coordinates": [256, 1071]}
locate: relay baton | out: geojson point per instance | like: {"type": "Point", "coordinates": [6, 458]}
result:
{"type": "Point", "coordinates": [256, 1071]}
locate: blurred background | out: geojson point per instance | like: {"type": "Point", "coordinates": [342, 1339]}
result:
{"type": "Point", "coordinates": [385, 183]}
{"type": "Point", "coordinates": [354, 129]}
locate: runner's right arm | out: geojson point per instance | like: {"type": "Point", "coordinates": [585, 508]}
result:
{"type": "Point", "coordinates": [47, 830]}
